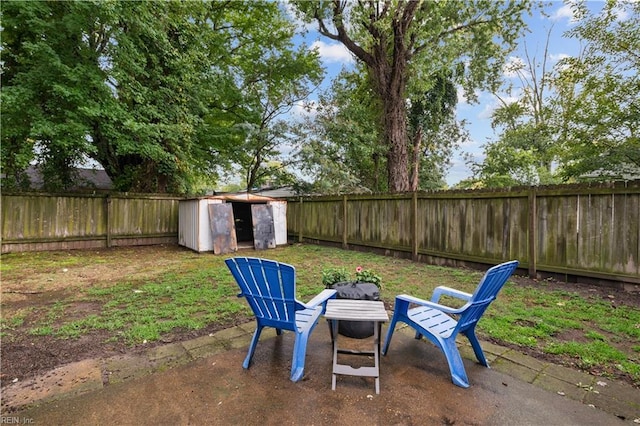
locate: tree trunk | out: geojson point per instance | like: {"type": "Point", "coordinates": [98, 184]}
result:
{"type": "Point", "coordinates": [387, 60]}
{"type": "Point", "coordinates": [415, 160]}
{"type": "Point", "coordinates": [395, 134]}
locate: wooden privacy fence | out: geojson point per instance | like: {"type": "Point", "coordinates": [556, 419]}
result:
{"type": "Point", "coordinates": [590, 231]}
{"type": "Point", "coordinates": [33, 221]}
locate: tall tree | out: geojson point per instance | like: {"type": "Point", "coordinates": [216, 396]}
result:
{"type": "Point", "coordinates": [156, 92]}
{"type": "Point", "coordinates": [158, 71]}
{"type": "Point", "coordinates": [405, 43]}
{"type": "Point", "coordinates": [579, 120]}
{"type": "Point", "coordinates": [340, 146]}
{"type": "Point", "coordinates": [602, 138]}
{"type": "Point", "coordinates": [434, 132]}
{"type": "Point", "coordinates": [48, 77]}
{"type": "Point", "coordinates": [270, 84]}
{"type": "Point", "coordinates": [527, 121]}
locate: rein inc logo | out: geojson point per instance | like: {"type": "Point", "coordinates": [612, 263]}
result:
{"type": "Point", "coordinates": [8, 420]}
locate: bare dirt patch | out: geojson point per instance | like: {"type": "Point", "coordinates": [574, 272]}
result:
{"type": "Point", "coordinates": [61, 271]}
{"type": "Point", "coordinates": [32, 289]}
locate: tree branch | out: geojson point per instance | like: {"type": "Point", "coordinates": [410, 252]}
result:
{"type": "Point", "coordinates": [341, 35]}
{"type": "Point", "coordinates": [452, 30]}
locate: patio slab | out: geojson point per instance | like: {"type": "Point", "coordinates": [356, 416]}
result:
{"type": "Point", "coordinates": [415, 389]}
{"type": "Point", "coordinates": [72, 379]}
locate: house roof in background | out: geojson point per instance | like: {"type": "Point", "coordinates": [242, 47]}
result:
{"type": "Point", "coordinates": [243, 198]}
{"type": "Point", "coordinates": [87, 179]}
{"type": "Point", "coordinates": [283, 192]}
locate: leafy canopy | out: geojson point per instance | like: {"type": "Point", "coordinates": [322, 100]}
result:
{"type": "Point", "coordinates": [163, 95]}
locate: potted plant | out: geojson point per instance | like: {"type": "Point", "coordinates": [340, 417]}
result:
{"type": "Point", "coordinates": [365, 286]}
{"type": "Point", "coordinates": [332, 276]}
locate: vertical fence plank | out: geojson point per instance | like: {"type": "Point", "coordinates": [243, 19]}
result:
{"type": "Point", "coordinates": [300, 223]}
{"type": "Point", "coordinates": [345, 228]}
{"type": "Point", "coordinates": [414, 226]}
{"type": "Point", "coordinates": [107, 201]}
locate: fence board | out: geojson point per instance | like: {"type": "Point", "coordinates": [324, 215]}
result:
{"type": "Point", "coordinates": [625, 237]}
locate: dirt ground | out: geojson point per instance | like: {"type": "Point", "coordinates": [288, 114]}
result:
{"type": "Point", "coordinates": [25, 355]}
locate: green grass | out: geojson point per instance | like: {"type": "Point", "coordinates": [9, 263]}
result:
{"type": "Point", "coordinates": [200, 291]}
{"type": "Point", "coordinates": [9, 324]}
{"type": "Point", "coordinates": [144, 311]}
{"type": "Point", "coordinates": [45, 261]}
{"type": "Point", "coordinates": [538, 318]}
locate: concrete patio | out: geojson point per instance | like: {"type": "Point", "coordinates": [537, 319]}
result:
{"type": "Point", "coordinates": [202, 381]}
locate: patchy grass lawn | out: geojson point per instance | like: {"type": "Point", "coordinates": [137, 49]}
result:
{"type": "Point", "coordinates": [59, 307]}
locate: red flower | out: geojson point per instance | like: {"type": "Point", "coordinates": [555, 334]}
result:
{"type": "Point", "coordinates": [359, 269]}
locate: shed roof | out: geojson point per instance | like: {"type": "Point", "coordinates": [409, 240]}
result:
{"type": "Point", "coordinates": [244, 198]}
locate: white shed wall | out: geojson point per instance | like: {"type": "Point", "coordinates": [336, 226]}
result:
{"type": "Point", "coordinates": [194, 229]}
{"type": "Point", "coordinates": [280, 220]}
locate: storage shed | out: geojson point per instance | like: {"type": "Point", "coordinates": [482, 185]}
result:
{"type": "Point", "coordinates": [222, 223]}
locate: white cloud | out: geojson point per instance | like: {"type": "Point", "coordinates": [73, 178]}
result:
{"type": "Point", "coordinates": [303, 109]}
{"type": "Point", "coordinates": [462, 99]}
{"type": "Point", "coordinates": [487, 111]}
{"type": "Point", "coordinates": [556, 57]}
{"type": "Point", "coordinates": [515, 67]}
{"type": "Point", "coordinates": [471, 145]}
{"type": "Point", "coordinates": [332, 53]}
{"type": "Point", "coordinates": [621, 13]}
{"type": "Point", "coordinates": [290, 12]}
{"type": "Point", "coordinates": [564, 12]}
{"type": "Point", "coordinates": [490, 107]}
{"type": "Point", "coordinates": [594, 7]}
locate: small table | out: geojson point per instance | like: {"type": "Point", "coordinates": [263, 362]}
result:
{"type": "Point", "coordinates": [356, 310]}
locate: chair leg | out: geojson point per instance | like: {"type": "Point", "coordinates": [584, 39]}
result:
{"type": "Point", "coordinates": [252, 346]}
{"type": "Point", "coordinates": [477, 349]}
{"type": "Point", "coordinates": [387, 340]}
{"type": "Point", "coordinates": [456, 367]}
{"type": "Point", "coordinates": [299, 354]}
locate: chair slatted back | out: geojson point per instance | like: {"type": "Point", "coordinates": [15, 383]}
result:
{"type": "Point", "coordinates": [485, 293]}
{"type": "Point", "coordinates": [269, 288]}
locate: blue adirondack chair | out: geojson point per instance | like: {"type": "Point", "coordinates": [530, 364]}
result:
{"type": "Point", "coordinates": [270, 290]}
{"type": "Point", "coordinates": [433, 320]}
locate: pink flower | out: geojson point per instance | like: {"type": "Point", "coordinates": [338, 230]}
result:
{"type": "Point", "coordinates": [359, 269]}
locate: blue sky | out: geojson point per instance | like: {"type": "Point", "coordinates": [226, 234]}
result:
{"type": "Point", "coordinates": [557, 17]}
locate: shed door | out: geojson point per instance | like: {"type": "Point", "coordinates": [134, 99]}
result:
{"type": "Point", "coordinates": [223, 228]}
{"type": "Point", "coordinates": [264, 233]}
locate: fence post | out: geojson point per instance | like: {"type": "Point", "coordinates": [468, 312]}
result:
{"type": "Point", "coordinates": [414, 226]}
{"type": "Point", "coordinates": [300, 221]}
{"type": "Point", "coordinates": [533, 217]}
{"type": "Point", "coordinates": [345, 244]}
{"type": "Point", "coordinates": [107, 201]}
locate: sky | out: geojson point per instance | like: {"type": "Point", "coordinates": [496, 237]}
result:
{"type": "Point", "coordinates": [557, 18]}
